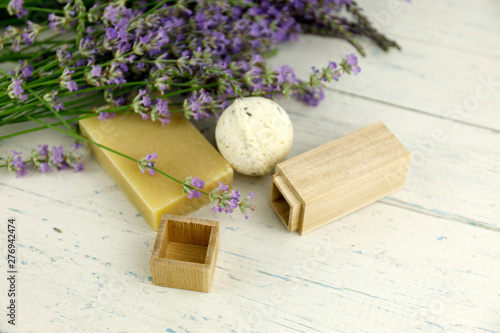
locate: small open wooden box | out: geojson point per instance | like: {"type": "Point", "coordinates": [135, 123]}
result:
{"type": "Point", "coordinates": [185, 253]}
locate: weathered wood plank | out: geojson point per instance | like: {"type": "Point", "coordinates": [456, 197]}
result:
{"type": "Point", "coordinates": [373, 270]}
{"type": "Point", "coordinates": [432, 79]}
{"type": "Point", "coordinates": [468, 25]}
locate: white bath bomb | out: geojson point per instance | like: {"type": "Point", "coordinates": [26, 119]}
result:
{"type": "Point", "coordinates": [254, 134]}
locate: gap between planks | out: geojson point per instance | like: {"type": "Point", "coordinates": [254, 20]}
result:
{"type": "Point", "coordinates": [443, 215]}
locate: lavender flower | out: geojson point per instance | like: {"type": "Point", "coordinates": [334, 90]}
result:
{"type": "Point", "coordinates": [57, 158]}
{"type": "Point", "coordinates": [194, 194]}
{"type": "Point", "coordinates": [188, 185]}
{"type": "Point", "coordinates": [43, 150]}
{"type": "Point", "coordinates": [78, 167]}
{"type": "Point", "coordinates": [197, 182]}
{"type": "Point", "coordinates": [71, 86]}
{"type": "Point", "coordinates": [160, 111]}
{"type": "Point", "coordinates": [225, 201]}
{"type": "Point", "coordinates": [53, 100]}
{"type": "Point", "coordinates": [75, 146]}
{"type": "Point", "coordinates": [222, 187]}
{"type": "Point", "coordinates": [351, 59]}
{"type": "Point", "coordinates": [44, 159]}
{"type": "Point", "coordinates": [23, 71]}
{"type": "Point", "coordinates": [44, 167]}
{"type": "Point", "coordinates": [15, 7]}
{"type": "Point", "coordinates": [16, 164]}
{"type": "Point", "coordinates": [60, 24]}
{"type": "Point", "coordinates": [15, 90]}
{"type": "Point", "coordinates": [96, 70]}
{"type": "Point", "coordinates": [105, 115]}
{"type": "Point", "coordinates": [147, 163]}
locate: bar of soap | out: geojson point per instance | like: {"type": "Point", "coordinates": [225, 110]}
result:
{"type": "Point", "coordinates": [183, 151]}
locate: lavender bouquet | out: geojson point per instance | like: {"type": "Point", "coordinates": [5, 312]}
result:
{"type": "Point", "coordinates": [78, 59]}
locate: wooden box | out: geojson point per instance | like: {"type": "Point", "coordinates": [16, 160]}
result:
{"type": "Point", "coordinates": [185, 253]}
{"type": "Point", "coordinates": [337, 178]}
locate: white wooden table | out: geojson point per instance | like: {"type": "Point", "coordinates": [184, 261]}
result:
{"type": "Point", "coordinates": [424, 259]}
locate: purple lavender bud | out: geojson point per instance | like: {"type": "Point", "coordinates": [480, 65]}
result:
{"type": "Point", "coordinates": [151, 156]}
{"type": "Point", "coordinates": [256, 59]}
{"type": "Point", "coordinates": [43, 150]}
{"type": "Point", "coordinates": [96, 71]}
{"type": "Point", "coordinates": [15, 6]}
{"type": "Point", "coordinates": [44, 167]}
{"type": "Point", "coordinates": [235, 194]}
{"type": "Point", "coordinates": [197, 182]}
{"type": "Point", "coordinates": [332, 65]}
{"type": "Point", "coordinates": [111, 34]}
{"type": "Point", "coordinates": [119, 102]}
{"type": "Point", "coordinates": [75, 146]}
{"type": "Point", "coordinates": [222, 187]}
{"type": "Point", "coordinates": [27, 72]}
{"type": "Point", "coordinates": [78, 167]}
{"type": "Point", "coordinates": [26, 38]}
{"type": "Point", "coordinates": [17, 90]}
{"type": "Point", "coordinates": [103, 116]}
{"type": "Point", "coordinates": [57, 155]}
{"type": "Point", "coordinates": [217, 209]}
{"type": "Point", "coordinates": [17, 161]}
{"type": "Point", "coordinates": [351, 59]}
{"type": "Point", "coordinates": [162, 107]}
{"type": "Point", "coordinates": [22, 170]}
{"type": "Point", "coordinates": [58, 106]}
{"type": "Point", "coordinates": [194, 194]}
{"type": "Point", "coordinates": [146, 101]}
{"type": "Point", "coordinates": [16, 86]}
{"type": "Point", "coordinates": [72, 86]}
{"type": "Point", "coordinates": [111, 13]}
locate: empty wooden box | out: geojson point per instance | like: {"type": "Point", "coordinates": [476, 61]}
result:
{"type": "Point", "coordinates": [337, 178]}
{"type": "Point", "coordinates": [185, 253]}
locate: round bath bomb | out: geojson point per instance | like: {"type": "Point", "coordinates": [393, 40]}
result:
{"type": "Point", "coordinates": [254, 134]}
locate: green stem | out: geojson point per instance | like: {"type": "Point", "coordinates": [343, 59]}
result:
{"type": "Point", "coordinates": [136, 83]}
{"type": "Point", "coordinates": [38, 9]}
{"type": "Point", "coordinates": [36, 129]}
{"type": "Point", "coordinates": [44, 102]}
{"type": "Point", "coordinates": [5, 165]}
{"type": "Point", "coordinates": [79, 137]}
{"type": "Point", "coordinates": [51, 109]}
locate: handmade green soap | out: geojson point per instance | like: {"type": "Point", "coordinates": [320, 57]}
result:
{"type": "Point", "coordinates": [183, 151]}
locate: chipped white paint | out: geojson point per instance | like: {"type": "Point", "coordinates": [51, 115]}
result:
{"type": "Point", "coordinates": [424, 259]}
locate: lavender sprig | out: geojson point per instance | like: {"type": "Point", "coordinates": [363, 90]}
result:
{"type": "Point", "coordinates": [225, 201]}
{"type": "Point", "coordinates": [45, 160]}
{"type": "Point", "coordinates": [221, 199]}
{"type": "Point", "coordinates": [147, 163]}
